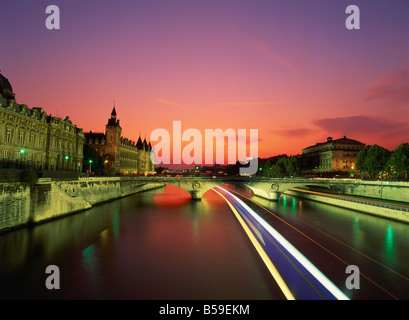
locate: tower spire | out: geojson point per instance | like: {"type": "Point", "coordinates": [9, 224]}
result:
{"type": "Point", "coordinates": [113, 121]}
{"type": "Point", "coordinates": [113, 113]}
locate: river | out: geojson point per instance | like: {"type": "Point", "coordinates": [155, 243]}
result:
{"type": "Point", "coordinates": [161, 245]}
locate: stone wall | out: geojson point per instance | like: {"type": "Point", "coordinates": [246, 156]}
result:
{"type": "Point", "coordinates": [14, 205]}
{"type": "Point", "coordinates": [386, 190]}
{"type": "Point", "coordinates": [386, 211]}
{"type": "Point", "coordinates": [21, 205]}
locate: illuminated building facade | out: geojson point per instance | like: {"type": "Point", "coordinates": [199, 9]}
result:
{"type": "Point", "coordinates": [121, 154]}
{"type": "Point", "coordinates": [31, 138]}
{"type": "Point", "coordinates": [334, 155]}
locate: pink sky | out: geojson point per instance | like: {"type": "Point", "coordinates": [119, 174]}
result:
{"type": "Point", "coordinates": [291, 70]}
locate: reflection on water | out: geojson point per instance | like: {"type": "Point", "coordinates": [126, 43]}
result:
{"type": "Point", "coordinates": [390, 245]}
{"type": "Point", "coordinates": [357, 234]}
{"type": "Point", "coordinates": [162, 245]}
{"type": "Point", "coordinates": [386, 241]}
{"type": "Point", "coordinates": [378, 246]}
{"type": "Point", "coordinates": [153, 245]}
{"type": "Point", "coordinates": [90, 265]}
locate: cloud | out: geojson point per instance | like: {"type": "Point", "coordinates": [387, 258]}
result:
{"type": "Point", "coordinates": [232, 133]}
{"type": "Point", "coordinates": [268, 53]}
{"type": "Point", "coordinates": [364, 126]}
{"type": "Point", "coordinates": [246, 104]}
{"type": "Point", "coordinates": [393, 87]}
{"type": "Point", "coordinates": [183, 106]}
{"type": "Point", "coordinates": [293, 133]}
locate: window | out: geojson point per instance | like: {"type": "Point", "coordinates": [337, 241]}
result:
{"type": "Point", "coordinates": [21, 138]}
{"type": "Point", "coordinates": [8, 135]}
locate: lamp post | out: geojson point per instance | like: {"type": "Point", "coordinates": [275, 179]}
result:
{"type": "Point", "coordinates": [90, 162]}
{"type": "Point", "coordinates": [66, 158]}
{"type": "Point", "coordinates": [21, 157]}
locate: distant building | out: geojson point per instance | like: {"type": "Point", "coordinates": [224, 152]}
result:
{"type": "Point", "coordinates": [121, 155]}
{"type": "Point", "coordinates": [30, 137]}
{"type": "Point", "coordinates": [333, 155]}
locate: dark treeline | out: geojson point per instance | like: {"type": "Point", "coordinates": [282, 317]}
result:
{"type": "Point", "coordinates": [373, 162]}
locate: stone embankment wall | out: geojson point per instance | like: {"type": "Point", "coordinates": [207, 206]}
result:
{"type": "Point", "coordinates": [21, 205]}
{"type": "Point", "coordinates": [377, 208]}
{"type": "Point", "coordinates": [386, 190]}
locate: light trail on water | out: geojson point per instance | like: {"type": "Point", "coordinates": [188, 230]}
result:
{"type": "Point", "coordinates": [297, 277]}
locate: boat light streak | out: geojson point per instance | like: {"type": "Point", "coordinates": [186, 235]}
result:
{"type": "Point", "coordinates": [293, 251]}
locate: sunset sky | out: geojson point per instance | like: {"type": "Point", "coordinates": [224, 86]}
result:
{"type": "Point", "coordinates": [290, 69]}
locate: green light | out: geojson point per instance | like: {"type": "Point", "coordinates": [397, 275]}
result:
{"type": "Point", "coordinates": [90, 260]}
{"type": "Point", "coordinates": [21, 151]}
{"type": "Point", "coordinates": [260, 169]}
{"type": "Point", "coordinates": [294, 206]}
{"type": "Point", "coordinates": [390, 245]}
{"type": "Point", "coordinates": [90, 161]}
{"type": "Point", "coordinates": [66, 157]}
{"type": "Point", "coordinates": [357, 234]}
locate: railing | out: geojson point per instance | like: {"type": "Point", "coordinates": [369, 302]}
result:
{"type": "Point", "coordinates": [361, 201]}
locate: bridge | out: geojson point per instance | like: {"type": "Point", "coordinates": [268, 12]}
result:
{"type": "Point", "coordinates": [271, 189]}
{"type": "Point", "coordinates": [267, 188]}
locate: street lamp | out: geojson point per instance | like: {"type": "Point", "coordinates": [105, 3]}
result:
{"type": "Point", "coordinates": [66, 158]}
{"type": "Point", "coordinates": [90, 162]}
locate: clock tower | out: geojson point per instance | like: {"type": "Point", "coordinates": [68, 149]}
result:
{"type": "Point", "coordinates": [113, 139]}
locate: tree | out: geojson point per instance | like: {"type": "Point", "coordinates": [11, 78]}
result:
{"type": "Point", "coordinates": [373, 160]}
{"type": "Point", "coordinates": [278, 169]}
{"type": "Point", "coordinates": [360, 162]}
{"type": "Point", "coordinates": [293, 165]}
{"type": "Point", "coordinates": [159, 170]}
{"type": "Point", "coordinates": [399, 159]}
{"type": "Point", "coordinates": [310, 162]}
{"type": "Point", "coordinates": [267, 168]}
{"type": "Point", "coordinates": [98, 162]}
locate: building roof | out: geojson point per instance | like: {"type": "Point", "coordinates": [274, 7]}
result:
{"type": "Point", "coordinates": [113, 113]}
{"type": "Point", "coordinates": [94, 136]}
{"type": "Point", "coordinates": [5, 87]}
{"type": "Point", "coordinates": [139, 144]}
{"type": "Point", "coordinates": [347, 140]}
{"type": "Point", "coordinates": [343, 140]}
{"type": "Point", "coordinates": [113, 121]}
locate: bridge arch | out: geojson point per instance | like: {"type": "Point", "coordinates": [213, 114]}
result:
{"type": "Point", "coordinates": [198, 186]}
{"type": "Point", "coordinates": [267, 188]}
{"type": "Point", "coordinates": [273, 188]}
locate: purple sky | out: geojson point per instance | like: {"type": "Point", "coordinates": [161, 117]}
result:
{"type": "Point", "coordinates": [289, 68]}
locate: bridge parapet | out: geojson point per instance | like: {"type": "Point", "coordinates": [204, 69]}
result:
{"type": "Point", "coordinates": [267, 188]}
{"type": "Point", "coordinates": [272, 188]}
